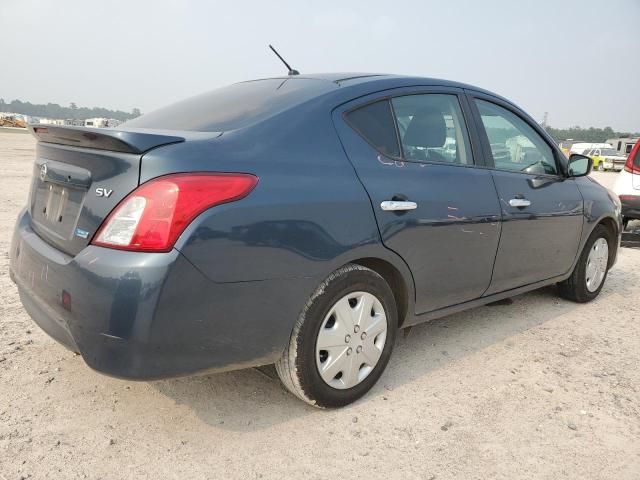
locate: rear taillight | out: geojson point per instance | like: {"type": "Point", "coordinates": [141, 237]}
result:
{"type": "Point", "coordinates": [632, 164]}
{"type": "Point", "coordinates": [152, 217]}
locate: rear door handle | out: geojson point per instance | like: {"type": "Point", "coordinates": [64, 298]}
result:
{"type": "Point", "coordinates": [519, 202]}
{"type": "Point", "coordinates": [395, 205]}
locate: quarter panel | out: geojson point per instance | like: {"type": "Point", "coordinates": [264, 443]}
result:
{"type": "Point", "coordinates": [307, 211]}
{"type": "Point", "coordinates": [152, 315]}
{"type": "Point", "coordinates": [598, 205]}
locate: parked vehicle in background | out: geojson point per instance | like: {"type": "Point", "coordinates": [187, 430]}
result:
{"type": "Point", "coordinates": [603, 155]}
{"type": "Point", "coordinates": [300, 221]}
{"type": "Point", "coordinates": [606, 158]}
{"type": "Point", "coordinates": [581, 147]}
{"type": "Point", "coordinates": [627, 187]}
{"type": "Point", "coordinates": [623, 145]}
{"type": "Point", "coordinates": [96, 122]}
{"type": "Point", "coordinates": [565, 146]}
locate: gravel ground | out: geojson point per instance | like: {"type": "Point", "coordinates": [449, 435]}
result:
{"type": "Point", "coordinates": [540, 388]}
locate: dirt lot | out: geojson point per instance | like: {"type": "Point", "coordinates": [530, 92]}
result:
{"type": "Point", "coordinates": [541, 389]}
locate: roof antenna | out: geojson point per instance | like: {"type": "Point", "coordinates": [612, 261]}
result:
{"type": "Point", "coordinates": [291, 70]}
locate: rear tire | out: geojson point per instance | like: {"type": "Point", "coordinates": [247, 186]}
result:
{"type": "Point", "coordinates": [578, 287]}
{"type": "Point", "coordinates": [303, 367]}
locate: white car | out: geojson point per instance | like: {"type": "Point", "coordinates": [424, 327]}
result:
{"type": "Point", "coordinates": [627, 186]}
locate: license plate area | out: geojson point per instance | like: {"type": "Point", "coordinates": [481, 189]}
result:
{"type": "Point", "coordinates": [56, 208]}
{"type": "Point", "coordinates": [57, 196]}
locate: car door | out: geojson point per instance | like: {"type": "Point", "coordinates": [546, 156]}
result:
{"type": "Point", "coordinates": [542, 210]}
{"type": "Point", "coordinates": [598, 161]}
{"type": "Point", "coordinates": [434, 206]}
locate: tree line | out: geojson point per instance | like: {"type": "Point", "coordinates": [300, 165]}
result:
{"type": "Point", "coordinates": [53, 110]}
{"type": "Point", "coordinates": [591, 134]}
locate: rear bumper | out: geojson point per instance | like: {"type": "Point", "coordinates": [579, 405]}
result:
{"type": "Point", "coordinates": [618, 166]}
{"type": "Point", "coordinates": [611, 165]}
{"type": "Point", "coordinates": [630, 206]}
{"type": "Point", "coordinates": [147, 315]}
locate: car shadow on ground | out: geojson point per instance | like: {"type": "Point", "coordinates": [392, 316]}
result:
{"type": "Point", "coordinates": [631, 236]}
{"type": "Point", "coordinates": [254, 399]}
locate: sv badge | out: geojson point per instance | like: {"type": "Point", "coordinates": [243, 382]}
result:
{"type": "Point", "coordinates": [103, 192]}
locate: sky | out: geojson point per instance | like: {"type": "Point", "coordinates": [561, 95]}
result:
{"type": "Point", "coordinates": [577, 60]}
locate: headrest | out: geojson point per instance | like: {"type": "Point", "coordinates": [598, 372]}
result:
{"type": "Point", "coordinates": [427, 129]}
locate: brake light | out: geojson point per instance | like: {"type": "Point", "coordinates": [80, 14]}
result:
{"type": "Point", "coordinates": [632, 165]}
{"type": "Point", "coordinates": [152, 217]}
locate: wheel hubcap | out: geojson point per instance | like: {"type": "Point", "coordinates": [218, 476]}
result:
{"type": "Point", "coordinates": [351, 340]}
{"type": "Point", "coordinates": [597, 264]}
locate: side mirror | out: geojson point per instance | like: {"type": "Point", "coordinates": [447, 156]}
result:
{"type": "Point", "coordinates": [579, 165]}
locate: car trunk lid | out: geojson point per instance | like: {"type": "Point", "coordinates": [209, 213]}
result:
{"type": "Point", "coordinates": [80, 175]}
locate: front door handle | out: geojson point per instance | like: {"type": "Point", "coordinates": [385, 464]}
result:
{"type": "Point", "coordinates": [395, 205]}
{"type": "Point", "coordinates": [519, 202]}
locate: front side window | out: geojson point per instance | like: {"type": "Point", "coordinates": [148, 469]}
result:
{"type": "Point", "coordinates": [432, 128]}
{"type": "Point", "coordinates": [515, 145]}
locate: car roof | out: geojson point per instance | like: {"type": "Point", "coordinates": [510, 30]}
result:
{"type": "Point", "coordinates": [353, 78]}
{"type": "Point", "coordinates": [359, 83]}
{"type": "Point", "coordinates": [252, 101]}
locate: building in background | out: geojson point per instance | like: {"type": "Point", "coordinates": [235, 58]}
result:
{"type": "Point", "coordinates": [49, 121]}
{"type": "Point", "coordinates": [102, 122]}
{"type": "Point", "coordinates": [623, 145]}
{"type": "Point", "coordinates": [20, 118]}
{"type": "Point", "coordinates": [73, 122]}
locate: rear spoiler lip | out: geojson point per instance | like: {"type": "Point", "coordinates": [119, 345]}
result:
{"type": "Point", "coordinates": [103, 138]}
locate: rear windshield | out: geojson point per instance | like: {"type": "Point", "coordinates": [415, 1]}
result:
{"type": "Point", "coordinates": [232, 107]}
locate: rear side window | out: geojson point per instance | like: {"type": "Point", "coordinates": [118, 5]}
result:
{"type": "Point", "coordinates": [375, 123]}
{"type": "Point", "coordinates": [432, 128]}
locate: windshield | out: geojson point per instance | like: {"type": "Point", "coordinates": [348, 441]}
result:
{"type": "Point", "coordinates": [609, 152]}
{"type": "Point", "coordinates": [233, 107]}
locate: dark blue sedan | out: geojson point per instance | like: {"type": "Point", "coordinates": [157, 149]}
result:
{"type": "Point", "coordinates": [300, 221]}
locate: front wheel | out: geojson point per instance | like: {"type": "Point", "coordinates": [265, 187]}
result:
{"type": "Point", "coordinates": [342, 340]}
{"type": "Point", "coordinates": [590, 272]}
